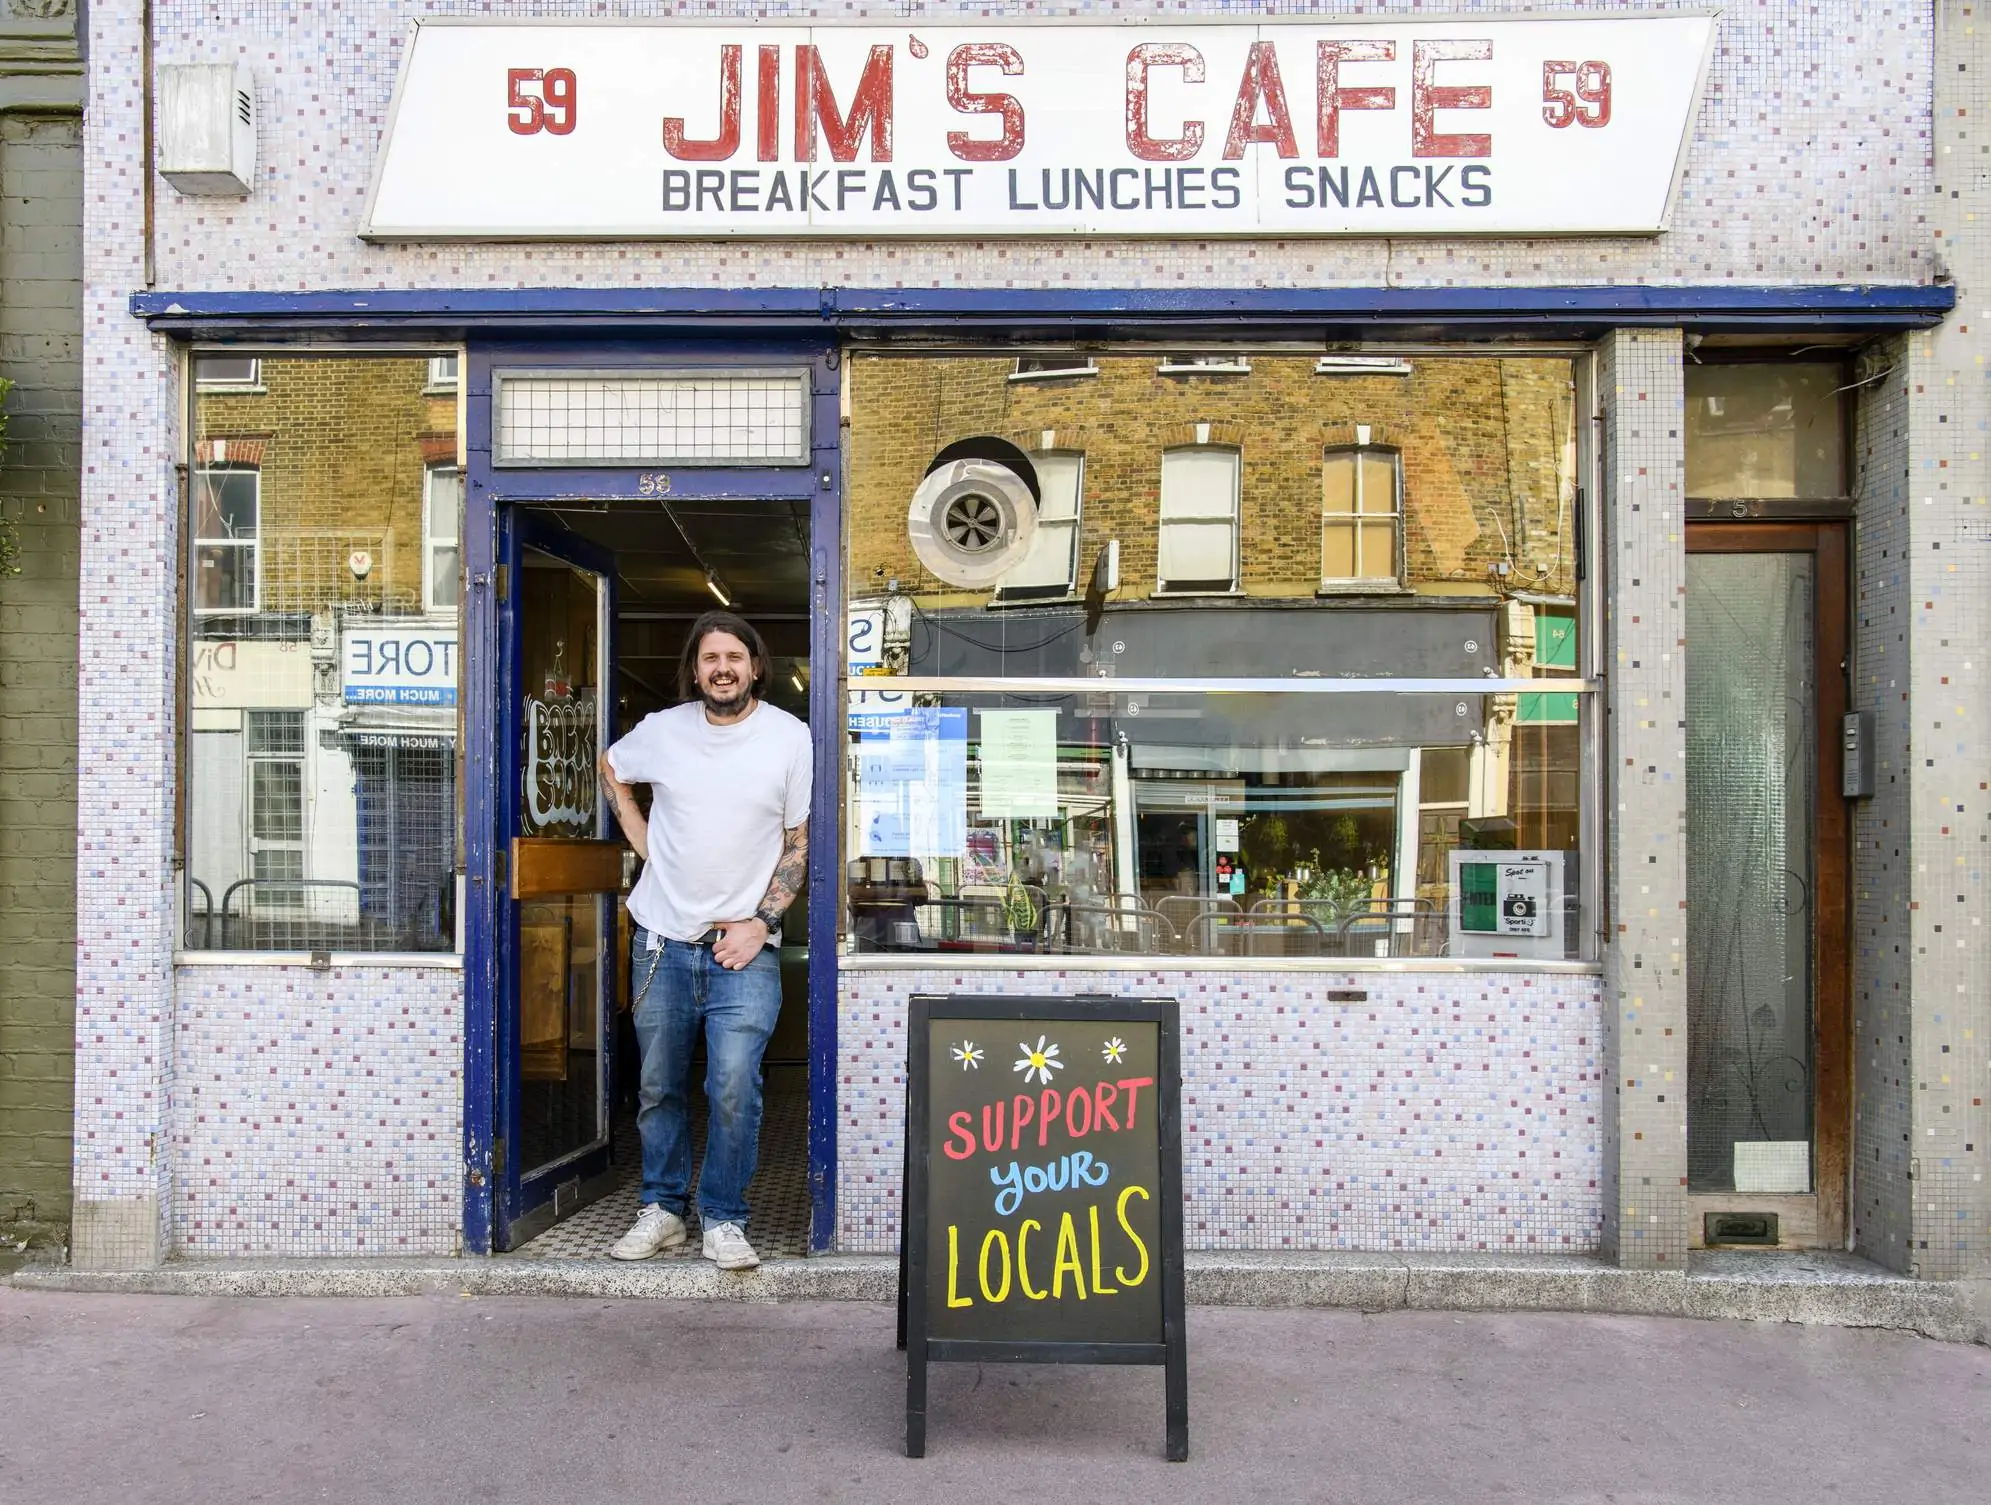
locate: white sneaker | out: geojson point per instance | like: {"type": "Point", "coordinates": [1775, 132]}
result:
{"type": "Point", "coordinates": [654, 1231]}
{"type": "Point", "coordinates": [727, 1247]}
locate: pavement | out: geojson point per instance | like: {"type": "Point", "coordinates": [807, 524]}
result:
{"type": "Point", "coordinates": [450, 1397]}
{"type": "Point", "coordinates": [1819, 1287]}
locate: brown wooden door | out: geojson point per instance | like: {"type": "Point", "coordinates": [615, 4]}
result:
{"type": "Point", "coordinates": [1769, 1078]}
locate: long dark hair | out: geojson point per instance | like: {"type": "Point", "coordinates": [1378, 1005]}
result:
{"type": "Point", "coordinates": [704, 627]}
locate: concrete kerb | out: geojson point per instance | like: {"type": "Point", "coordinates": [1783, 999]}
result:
{"type": "Point", "coordinates": [1818, 1289]}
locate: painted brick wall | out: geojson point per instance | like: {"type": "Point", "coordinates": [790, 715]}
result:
{"type": "Point", "coordinates": [41, 287]}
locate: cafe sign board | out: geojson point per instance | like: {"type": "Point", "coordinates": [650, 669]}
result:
{"type": "Point", "coordinates": [1468, 125]}
{"type": "Point", "coordinates": [1042, 1220]}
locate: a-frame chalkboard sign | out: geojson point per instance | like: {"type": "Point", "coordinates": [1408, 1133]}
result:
{"type": "Point", "coordinates": [1042, 1216]}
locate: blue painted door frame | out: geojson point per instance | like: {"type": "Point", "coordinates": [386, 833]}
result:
{"type": "Point", "coordinates": [488, 722]}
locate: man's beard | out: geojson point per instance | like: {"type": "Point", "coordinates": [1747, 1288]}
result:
{"type": "Point", "coordinates": [725, 702]}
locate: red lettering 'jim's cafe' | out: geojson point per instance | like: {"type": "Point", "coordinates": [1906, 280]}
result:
{"type": "Point", "coordinates": [1448, 545]}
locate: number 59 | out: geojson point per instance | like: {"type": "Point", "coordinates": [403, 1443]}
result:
{"type": "Point", "coordinates": [1588, 104]}
{"type": "Point", "coordinates": [549, 107]}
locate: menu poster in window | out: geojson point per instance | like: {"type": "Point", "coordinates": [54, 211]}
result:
{"type": "Point", "coordinates": [913, 784]}
{"type": "Point", "coordinates": [1019, 764]}
{"type": "Point", "coordinates": [1043, 1192]}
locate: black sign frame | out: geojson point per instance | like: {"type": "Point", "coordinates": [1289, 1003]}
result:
{"type": "Point", "coordinates": [1170, 1348]}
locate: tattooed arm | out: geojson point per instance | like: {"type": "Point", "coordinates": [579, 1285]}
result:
{"type": "Point", "coordinates": [791, 873]}
{"type": "Point", "coordinates": [621, 799]}
{"type": "Point", "coordinates": [744, 938]}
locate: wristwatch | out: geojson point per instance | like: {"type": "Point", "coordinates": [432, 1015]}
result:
{"type": "Point", "coordinates": [770, 918]}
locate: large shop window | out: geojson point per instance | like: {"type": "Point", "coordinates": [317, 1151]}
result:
{"type": "Point", "coordinates": [1260, 696]}
{"type": "Point", "coordinates": [324, 581]}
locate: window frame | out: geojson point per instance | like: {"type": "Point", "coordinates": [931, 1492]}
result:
{"type": "Point", "coordinates": [1083, 365]}
{"type": "Point", "coordinates": [1203, 363]}
{"type": "Point", "coordinates": [1585, 872]}
{"type": "Point", "coordinates": [254, 543]}
{"type": "Point", "coordinates": [1038, 595]}
{"type": "Point", "coordinates": [1362, 365]}
{"type": "Point", "coordinates": [252, 845]}
{"type": "Point", "coordinates": [252, 383]}
{"type": "Point", "coordinates": [1235, 518]}
{"type": "Point", "coordinates": [430, 543]}
{"type": "Point", "coordinates": [440, 383]}
{"type": "Point", "coordinates": [1347, 585]}
{"type": "Point", "coordinates": [195, 629]}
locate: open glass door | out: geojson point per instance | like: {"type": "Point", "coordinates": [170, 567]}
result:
{"type": "Point", "coordinates": [561, 874]}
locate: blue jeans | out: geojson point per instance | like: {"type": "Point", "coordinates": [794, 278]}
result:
{"type": "Point", "coordinates": [689, 991]}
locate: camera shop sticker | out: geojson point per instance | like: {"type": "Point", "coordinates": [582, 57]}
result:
{"type": "Point", "coordinates": [1504, 898]}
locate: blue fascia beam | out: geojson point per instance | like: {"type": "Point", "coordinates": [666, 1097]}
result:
{"type": "Point", "coordinates": [1038, 314]}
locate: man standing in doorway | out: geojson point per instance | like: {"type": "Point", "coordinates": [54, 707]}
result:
{"type": "Point", "coordinates": [725, 851]}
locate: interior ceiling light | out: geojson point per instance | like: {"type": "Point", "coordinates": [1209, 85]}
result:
{"type": "Point", "coordinates": [712, 581]}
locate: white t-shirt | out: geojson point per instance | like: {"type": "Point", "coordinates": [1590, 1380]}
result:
{"type": "Point", "coordinates": [721, 797]}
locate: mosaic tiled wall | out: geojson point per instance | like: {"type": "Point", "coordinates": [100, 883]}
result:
{"type": "Point", "coordinates": [1922, 965]}
{"type": "Point", "coordinates": [126, 683]}
{"type": "Point", "coordinates": [1948, 611]}
{"type": "Point", "coordinates": [1883, 842]}
{"type": "Point", "coordinates": [318, 1113]}
{"type": "Point", "coordinates": [1787, 178]}
{"type": "Point", "coordinates": [1640, 387]}
{"type": "Point", "coordinates": [1448, 1111]}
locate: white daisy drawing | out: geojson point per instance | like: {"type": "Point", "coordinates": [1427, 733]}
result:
{"type": "Point", "coordinates": [969, 1054]}
{"type": "Point", "coordinates": [1114, 1050]}
{"type": "Point", "coordinates": [1038, 1063]}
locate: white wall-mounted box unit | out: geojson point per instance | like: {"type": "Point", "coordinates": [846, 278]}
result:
{"type": "Point", "coordinates": [207, 128]}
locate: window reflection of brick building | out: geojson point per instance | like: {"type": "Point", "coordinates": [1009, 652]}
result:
{"type": "Point", "coordinates": [342, 450]}
{"type": "Point", "coordinates": [1273, 515]}
{"type": "Point", "coordinates": [324, 500]}
{"type": "Point", "coordinates": [1487, 452]}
